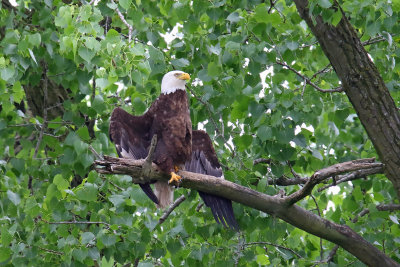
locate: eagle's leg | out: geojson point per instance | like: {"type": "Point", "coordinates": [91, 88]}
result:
{"type": "Point", "coordinates": [175, 178]}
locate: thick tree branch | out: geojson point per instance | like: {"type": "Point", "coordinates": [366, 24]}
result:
{"type": "Point", "coordinates": [276, 206]}
{"type": "Point", "coordinates": [330, 171]}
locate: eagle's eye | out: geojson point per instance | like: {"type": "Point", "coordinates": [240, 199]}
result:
{"type": "Point", "coordinates": [177, 74]}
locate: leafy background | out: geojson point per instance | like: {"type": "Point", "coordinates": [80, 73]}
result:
{"type": "Point", "coordinates": [64, 66]}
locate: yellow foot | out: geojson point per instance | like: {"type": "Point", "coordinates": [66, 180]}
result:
{"type": "Point", "coordinates": [175, 178]}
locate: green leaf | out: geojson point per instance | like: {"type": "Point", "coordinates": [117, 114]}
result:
{"type": "Point", "coordinates": [60, 182]}
{"type": "Point", "coordinates": [18, 92]}
{"type": "Point", "coordinates": [80, 254]}
{"type": "Point", "coordinates": [88, 192]}
{"type": "Point", "coordinates": [5, 254]}
{"type": "Point", "coordinates": [83, 133]}
{"type": "Point", "coordinates": [234, 17]}
{"type": "Point", "coordinates": [125, 3]}
{"type": "Point", "coordinates": [86, 159]}
{"type": "Point", "coordinates": [98, 104]}
{"type": "Point", "coordinates": [394, 219]}
{"type": "Point", "coordinates": [317, 154]}
{"type": "Point", "coordinates": [336, 18]}
{"type": "Point", "coordinates": [6, 237]}
{"type": "Point", "coordinates": [213, 70]}
{"type": "Point", "coordinates": [113, 36]}
{"type": "Point", "coordinates": [34, 39]}
{"type": "Point", "coordinates": [264, 133]}
{"type": "Point", "coordinates": [396, 5]}
{"type": "Point", "coordinates": [13, 197]}
{"type": "Point", "coordinates": [86, 54]}
{"type": "Point", "coordinates": [324, 3]}
{"type": "Point", "coordinates": [261, 13]}
{"type": "Point", "coordinates": [108, 240]}
{"type": "Point", "coordinates": [292, 45]}
{"type": "Point", "coordinates": [7, 73]}
{"type": "Point", "coordinates": [156, 55]}
{"type": "Point", "coordinates": [180, 63]}
{"type": "Point", "coordinates": [262, 259]}
{"type": "Point", "coordinates": [117, 200]}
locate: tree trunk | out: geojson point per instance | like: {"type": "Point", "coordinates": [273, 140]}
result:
{"type": "Point", "coordinates": [364, 87]}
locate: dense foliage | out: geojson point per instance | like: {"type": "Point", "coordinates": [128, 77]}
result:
{"type": "Point", "coordinates": [64, 66]}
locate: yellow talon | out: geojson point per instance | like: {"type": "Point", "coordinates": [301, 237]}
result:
{"type": "Point", "coordinates": [174, 178]}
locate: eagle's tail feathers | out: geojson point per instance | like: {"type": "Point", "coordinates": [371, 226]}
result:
{"type": "Point", "coordinates": [221, 209]}
{"type": "Point", "coordinates": [164, 193]}
{"type": "Point", "coordinates": [149, 192]}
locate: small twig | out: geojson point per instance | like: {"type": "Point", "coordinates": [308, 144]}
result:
{"type": "Point", "coordinates": [308, 81]}
{"type": "Point", "coordinates": [324, 70]}
{"type": "Point", "coordinates": [97, 155]}
{"type": "Point", "coordinates": [352, 176]}
{"type": "Point", "coordinates": [121, 16]}
{"type": "Point", "coordinates": [199, 206]}
{"type": "Point", "coordinates": [304, 88]}
{"type": "Point", "coordinates": [274, 46]}
{"type": "Point", "coordinates": [274, 245]}
{"type": "Point", "coordinates": [174, 205]}
{"type": "Point", "coordinates": [272, 5]}
{"type": "Point", "coordinates": [77, 222]}
{"type": "Point", "coordinates": [375, 40]}
{"type": "Point", "coordinates": [292, 171]}
{"type": "Point", "coordinates": [126, 101]}
{"type": "Point", "coordinates": [23, 125]}
{"type": "Point", "coordinates": [51, 251]}
{"type": "Point", "coordinates": [380, 207]}
{"type": "Point", "coordinates": [262, 160]}
{"type": "Point", "coordinates": [54, 106]}
{"type": "Point", "coordinates": [149, 158]}
{"type": "Point", "coordinates": [148, 161]}
{"type": "Point", "coordinates": [90, 244]}
{"type": "Point", "coordinates": [329, 258]}
{"type": "Point", "coordinates": [116, 186]}
{"type": "Point", "coordinates": [320, 240]}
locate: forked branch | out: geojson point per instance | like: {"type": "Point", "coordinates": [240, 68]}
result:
{"type": "Point", "coordinates": [330, 171]}
{"type": "Point", "coordinates": [341, 235]}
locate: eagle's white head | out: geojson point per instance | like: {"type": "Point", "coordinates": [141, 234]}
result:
{"type": "Point", "coordinates": [174, 80]}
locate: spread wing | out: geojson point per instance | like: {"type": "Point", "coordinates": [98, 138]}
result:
{"type": "Point", "coordinates": [205, 161]}
{"type": "Point", "coordinates": [131, 136]}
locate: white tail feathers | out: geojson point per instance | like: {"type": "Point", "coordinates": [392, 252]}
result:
{"type": "Point", "coordinates": [164, 193]}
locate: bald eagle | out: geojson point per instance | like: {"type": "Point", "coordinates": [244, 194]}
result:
{"type": "Point", "coordinates": [178, 147]}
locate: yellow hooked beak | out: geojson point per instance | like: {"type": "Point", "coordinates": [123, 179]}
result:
{"type": "Point", "coordinates": [184, 76]}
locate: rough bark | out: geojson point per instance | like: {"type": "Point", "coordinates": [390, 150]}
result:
{"type": "Point", "coordinates": [363, 85]}
{"type": "Point", "coordinates": [341, 235]}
